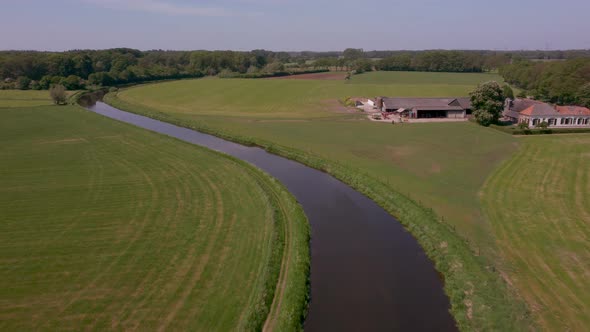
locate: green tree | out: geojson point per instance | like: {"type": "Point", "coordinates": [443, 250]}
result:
{"type": "Point", "coordinates": [363, 65]}
{"type": "Point", "coordinates": [352, 54]}
{"type": "Point", "coordinates": [72, 82]}
{"type": "Point", "coordinates": [274, 67]}
{"type": "Point", "coordinates": [542, 125]}
{"type": "Point", "coordinates": [583, 95]}
{"type": "Point", "coordinates": [508, 92]}
{"type": "Point", "coordinates": [45, 82]}
{"type": "Point", "coordinates": [58, 94]}
{"type": "Point", "coordinates": [23, 83]}
{"type": "Point", "coordinates": [488, 102]}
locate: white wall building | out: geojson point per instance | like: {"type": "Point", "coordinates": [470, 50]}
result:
{"type": "Point", "coordinates": [535, 112]}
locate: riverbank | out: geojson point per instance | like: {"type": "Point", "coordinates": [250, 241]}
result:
{"type": "Point", "coordinates": [479, 297]}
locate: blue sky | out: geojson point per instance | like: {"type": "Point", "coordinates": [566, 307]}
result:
{"type": "Point", "coordinates": [290, 25]}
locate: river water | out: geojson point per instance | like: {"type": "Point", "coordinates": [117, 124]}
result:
{"type": "Point", "coordinates": [367, 272]}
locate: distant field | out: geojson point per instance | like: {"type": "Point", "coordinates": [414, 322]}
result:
{"type": "Point", "coordinates": [538, 204]}
{"type": "Point", "coordinates": [269, 99]}
{"type": "Point", "coordinates": [104, 226]}
{"type": "Point", "coordinates": [18, 98]}
{"type": "Point", "coordinates": [26, 98]}
{"type": "Point", "coordinates": [424, 78]}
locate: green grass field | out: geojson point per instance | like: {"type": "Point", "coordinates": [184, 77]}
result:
{"type": "Point", "coordinates": [539, 206]}
{"type": "Point", "coordinates": [442, 166]}
{"type": "Point", "coordinates": [104, 226]}
{"type": "Point", "coordinates": [27, 98]}
{"type": "Point", "coordinates": [18, 98]}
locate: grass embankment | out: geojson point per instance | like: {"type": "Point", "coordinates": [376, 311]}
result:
{"type": "Point", "coordinates": [108, 226]}
{"type": "Point", "coordinates": [538, 204]}
{"type": "Point", "coordinates": [403, 168]}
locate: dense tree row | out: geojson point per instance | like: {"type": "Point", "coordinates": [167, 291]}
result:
{"type": "Point", "coordinates": [561, 82]}
{"type": "Point", "coordinates": [435, 61]}
{"type": "Point", "coordinates": [443, 61]}
{"type": "Point", "coordinates": [76, 69]}
{"type": "Point", "coordinates": [79, 68]}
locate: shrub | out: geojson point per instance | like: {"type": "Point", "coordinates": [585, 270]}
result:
{"type": "Point", "coordinates": [23, 83]}
{"type": "Point", "coordinates": [58, 94]}
{"type": "Point", "coordinates": [542, 125]}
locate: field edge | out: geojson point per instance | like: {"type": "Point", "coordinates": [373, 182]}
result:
{"type": "Point", "coordinates": [480, 298]}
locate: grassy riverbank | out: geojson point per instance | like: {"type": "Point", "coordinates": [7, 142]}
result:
{"type": "Point", "coordinates": [403, 168]}
{"type": "Point", "coordinates": [539, 206]}
{"type": "Point", "coordinates": [107, 226]}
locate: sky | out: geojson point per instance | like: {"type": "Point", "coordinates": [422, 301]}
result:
{"type": "Point", "coordinates": [294, 25]}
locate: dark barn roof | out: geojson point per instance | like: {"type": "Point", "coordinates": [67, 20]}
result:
{"type": "Point", "coordinates": [427, 104]}
{"type": "Point", "coordinates": [465, 103]}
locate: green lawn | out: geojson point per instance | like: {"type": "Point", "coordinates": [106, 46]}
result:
{"type": "Point", "coordinates": [442, 166]}
{"type": "Point", "coordinates": [539, 206]}
{"type": "Point", "coordinates": [104, 226]}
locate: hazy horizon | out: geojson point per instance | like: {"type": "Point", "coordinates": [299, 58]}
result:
{"type": "Point", "coordinates": [288, 25]}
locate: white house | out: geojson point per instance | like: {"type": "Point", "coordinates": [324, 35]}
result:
{"type": "Point", "coordinates": [534, 112]}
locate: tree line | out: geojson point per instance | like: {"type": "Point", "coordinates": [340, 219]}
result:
{"type": "Point", "coordinates": [80, 68]}
{"type": "Point", "coordinates": [561, 82]}
{"type": "Point", "coordinates": [433, 61]}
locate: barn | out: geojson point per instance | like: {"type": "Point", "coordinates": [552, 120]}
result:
{"type": "Point", "coordinates": [426, 108]}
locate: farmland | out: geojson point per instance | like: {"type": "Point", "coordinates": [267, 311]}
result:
{"type": "Point", "coordinates": [438, 166]}
{"type": "Point", "coordinates": [107, 226]}
{"type": "Point", "coordinates": [17, 98]}
{"type": "Point", "coordinates": [306, 116]}
{"type": "Point", "coordinates": [538, 204]}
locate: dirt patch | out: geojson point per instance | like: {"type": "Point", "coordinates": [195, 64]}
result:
{"type": "Point", "coordinates": [335, 106]}
{"type": "Point", "coordinates": [435, 168]}
{"type": "Point", "coordinates": [333, 76]}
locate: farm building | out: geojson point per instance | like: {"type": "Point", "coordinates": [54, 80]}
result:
{"type": "Point", "coordinates": [534, 112]}
{"type": "Point", "coordinates": [426, 108]}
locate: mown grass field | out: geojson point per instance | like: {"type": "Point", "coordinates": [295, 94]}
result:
{"type": "Point", "coordinates": [442, 166]}
{"type": "Point", "coordinates": [538, 204]}
{"type": "Point", "coordinates": [104, 226]}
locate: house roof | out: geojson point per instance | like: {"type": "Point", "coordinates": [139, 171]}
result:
{"type": "Point", "coordinates": [423, 103]}
{"type": "Point", "coordinates": [519, 105]}
{"type": "Point", "coordinates": [539, 109]}
{"type": "Point", "coordinates": [573, 110]}
{"type": "Point", "coordinates": [511, 114]}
